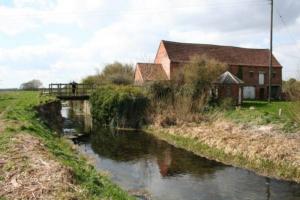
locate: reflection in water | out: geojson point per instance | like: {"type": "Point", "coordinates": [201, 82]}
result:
{"type": "Point", "coordinates": [133, 146]}
{"type": "Point", "coordinates": [75, 123]}
{"type": "Point", "coordinates": [137, 160]}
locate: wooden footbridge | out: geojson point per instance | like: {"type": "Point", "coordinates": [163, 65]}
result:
{"type": "Point", "coordinates": [70, 91]}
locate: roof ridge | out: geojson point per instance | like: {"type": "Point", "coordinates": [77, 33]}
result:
{"type": "Point", "coordinates": [216, 45]}
{"type": "Point", "coordinates": [235, 78]}
{"type": "Point", "coordinates": [148, 63]}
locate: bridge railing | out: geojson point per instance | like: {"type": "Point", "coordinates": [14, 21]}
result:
{"type": "Point", "coordinates": [65, 89]}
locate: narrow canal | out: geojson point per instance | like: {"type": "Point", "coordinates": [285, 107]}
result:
{"type": "Point", "coordinates": [147, 166]}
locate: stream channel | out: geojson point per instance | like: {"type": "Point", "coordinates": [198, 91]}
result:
{"type": "Point", "coordinates": [150, 168]}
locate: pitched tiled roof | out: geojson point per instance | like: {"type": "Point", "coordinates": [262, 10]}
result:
{"type": "Point", "coordinates": [228, 78]}
{"type": "Point", "coordinates": [151, 72]}
{"type": "Point", "coordinates": [182, 52]}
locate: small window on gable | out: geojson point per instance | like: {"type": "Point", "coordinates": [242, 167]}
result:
{"type": "Point", "coordinates": [273, 74]}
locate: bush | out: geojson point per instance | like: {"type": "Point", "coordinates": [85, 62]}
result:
{"type": "Point", "coordinates": [160, 91]}
{"type": "Point", "coordinates": [200, 73]}
{"type": "Point", "coordinates": [119, 106]}
{"type": "Point", "coordinates": [227, 103]}
{"type": "Point", "coordinates": [186, 98]}
{"type": "Point", "coordinates": [292, 89]}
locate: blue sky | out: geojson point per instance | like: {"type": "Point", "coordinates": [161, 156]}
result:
{"type": "Point", "coordinates": [65, 40]}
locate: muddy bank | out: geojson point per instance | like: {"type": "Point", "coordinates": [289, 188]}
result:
{"type": "Point", "coordinates": [261, 149]}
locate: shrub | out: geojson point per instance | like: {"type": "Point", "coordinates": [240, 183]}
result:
{"type": "Point", "coordinates": [292, 89]}
{"type": "Point", "coordinates": [199, 75]}
{"type": "Point", "coordinates": [187, 96]}
{"type": "Point", "coordinates": [119, 106]}
{"type": "Point", "coordinates": [227, 103]}
{"type": "Point", "coordinates": [160, 91]}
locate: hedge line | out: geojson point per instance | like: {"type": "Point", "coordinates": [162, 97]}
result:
{"type": "Point", "coordinates": [119, 106]}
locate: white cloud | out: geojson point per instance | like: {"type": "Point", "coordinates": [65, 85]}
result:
{"type": "Point", "coordinates": [14, 20]}
{"type": "Point", "coordinates": [130, 31]}
{"type": "Point", "coordinates": [36, 4]}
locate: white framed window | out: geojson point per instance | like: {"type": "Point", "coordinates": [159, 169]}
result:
{"type": "Point", "coordinates": [261, 78]}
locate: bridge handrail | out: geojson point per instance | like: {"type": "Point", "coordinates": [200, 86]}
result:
{"type": "Point", "coordinates": [66, 89]}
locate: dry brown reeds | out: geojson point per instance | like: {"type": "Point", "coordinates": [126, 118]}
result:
{"type": "Point", "coordinates": [29, 172]}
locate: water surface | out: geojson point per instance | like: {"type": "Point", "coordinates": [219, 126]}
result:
{"type": "Point", "coordinates": [138, 161]}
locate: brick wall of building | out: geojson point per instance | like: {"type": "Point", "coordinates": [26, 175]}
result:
{"type": "Point", "coordinates": [138, 80]}
{"type": "Point", "coordinates": [253, 79]}
{"type": "Point", "coordinates": [229, 91]}
{"type": "Point", "coordinates": [162, 58]}
{"type": "Point", "coordinates": [250, 75]}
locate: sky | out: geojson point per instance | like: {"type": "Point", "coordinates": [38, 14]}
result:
{"type": "Point", "coordinates": [66, 40]}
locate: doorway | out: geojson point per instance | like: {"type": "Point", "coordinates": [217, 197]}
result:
{"type": "Point", "coordinates": [262, 93]}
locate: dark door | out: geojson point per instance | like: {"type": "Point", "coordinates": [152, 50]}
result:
{"type": "Point", "coordinates": [262, 93]}
{"type": "Point", "coordinates": [275, 92]}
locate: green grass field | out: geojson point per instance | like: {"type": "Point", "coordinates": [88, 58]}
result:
{"type": "Point", "coordinates": [17, 112]}
{"type": "Point", "coordinates": [262, 113]}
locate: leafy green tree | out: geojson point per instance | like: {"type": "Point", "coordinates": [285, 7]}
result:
{"type": "Point", "coordinates": [115, 73]}
{"type": "Point", "coordinates": [92, 80]}
{"type": "Point", "coordinates": [118, 73]}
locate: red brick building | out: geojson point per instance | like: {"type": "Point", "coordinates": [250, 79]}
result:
{"type": "Point", "coordinates": [249, 65]}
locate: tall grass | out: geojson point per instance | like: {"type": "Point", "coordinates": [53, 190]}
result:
{"type": "Point", "coordinates": [295, 111]}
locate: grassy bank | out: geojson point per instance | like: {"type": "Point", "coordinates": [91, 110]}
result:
{"type": "Point", "coordinates": [282, 113]}
{"type": "Point", "coordinates": [262, 166]}
{"type": "Point", "coordinates": [28, 147]}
